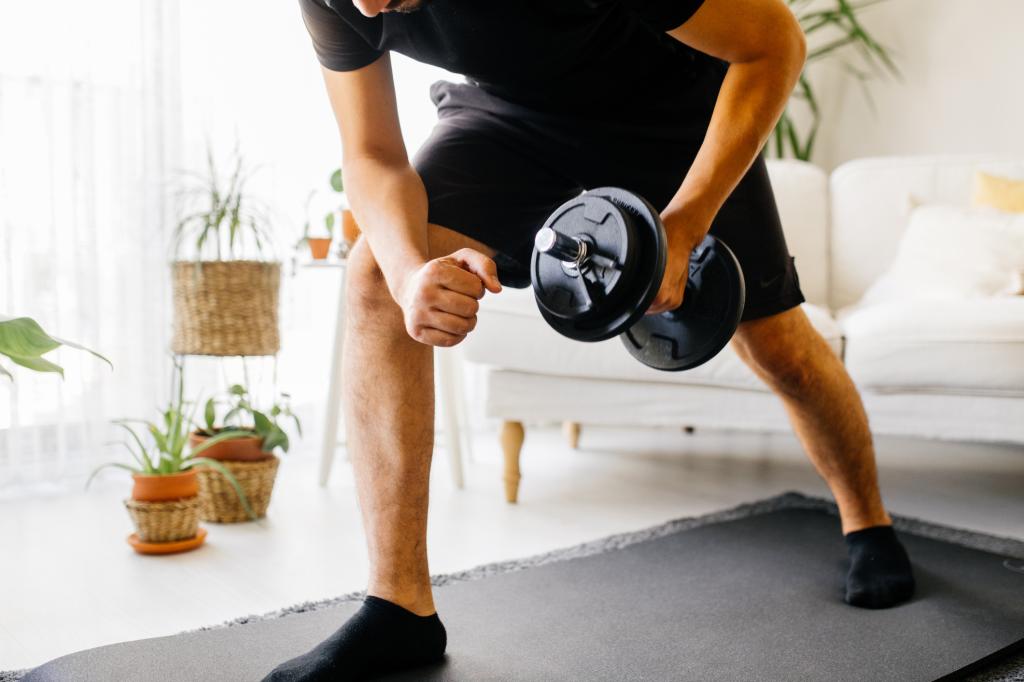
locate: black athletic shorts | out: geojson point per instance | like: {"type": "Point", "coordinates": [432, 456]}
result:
{"type": "Point", "coordinates": [494, 171]}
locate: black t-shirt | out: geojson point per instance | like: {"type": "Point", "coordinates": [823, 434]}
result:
{"type": "Point", "coordinates": [596, 59]}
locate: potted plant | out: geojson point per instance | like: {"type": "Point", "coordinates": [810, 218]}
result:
{"type": "Point", "coordinates": [349, 228]}
{"type": "Point", "coordinates": [24, 342]}
{"type": "Point", "coordinates": [248, 454]}
{"type": "Point", "coordinates": [833, 29]}
{"type": "Point", "coordinates": [319, 247]}
{"type": "Point", "coordinates": [225, 282]}
{"type": "Point", "coordinates": [164, 502]}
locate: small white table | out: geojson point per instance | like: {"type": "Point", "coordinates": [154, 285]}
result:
{"type": "Point", "coordinates": [447, 381]}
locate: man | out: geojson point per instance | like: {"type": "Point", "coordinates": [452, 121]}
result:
{"type": "Point", "coordinates": [672, 99]}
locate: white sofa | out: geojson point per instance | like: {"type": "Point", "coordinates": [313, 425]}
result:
{"type": "Point", "coordinates": [935, 370]}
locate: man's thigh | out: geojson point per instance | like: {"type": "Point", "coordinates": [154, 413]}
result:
{"type": "Point", "coordinates": [442, 241]}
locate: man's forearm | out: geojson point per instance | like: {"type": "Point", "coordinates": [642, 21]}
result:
{"type": "Point", "coordinates": [752, 97]}
{"type": "Point", "coordinates": [390, 204]}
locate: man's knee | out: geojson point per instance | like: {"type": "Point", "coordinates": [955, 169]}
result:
{"type": "Point", "coordinates": [783, 352]}
{"type": "Point", "coordinates": [367, 297]}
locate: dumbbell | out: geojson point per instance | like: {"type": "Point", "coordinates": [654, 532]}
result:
{"type": "Point", "coordinates": [597, 265]}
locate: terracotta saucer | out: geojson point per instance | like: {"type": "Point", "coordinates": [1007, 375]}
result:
{"type": "Point", "coordinates": [166, 547]}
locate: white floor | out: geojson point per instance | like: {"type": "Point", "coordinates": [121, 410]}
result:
{"type": "Point", "coordinates": [68, 581]}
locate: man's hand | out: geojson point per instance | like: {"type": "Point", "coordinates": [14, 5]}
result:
{"type": "Point", "coordinates": [440, 298]}
{"type": "Point", "coordinates": [681, 242]}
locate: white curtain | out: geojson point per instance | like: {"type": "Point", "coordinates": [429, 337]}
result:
{"type": "Point", "coordinates": [89, 131]}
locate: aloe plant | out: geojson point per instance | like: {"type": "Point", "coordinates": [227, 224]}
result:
{"type": "Point", "coordinates": [25, 343]}
{"type": "Point", "coordinates": [165, 452]}
{"type": "Point", "coordinates": [242, 417]}
{"type": "Point", "coordinates": [835, 32]}
{"type": "Point", "coordinates": [221, 218]}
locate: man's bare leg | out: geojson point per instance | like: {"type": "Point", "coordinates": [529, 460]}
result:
{"type": "Point", "coordinates": [826, 412]}
{"type": "Point", "coordinates": [792, 358]}
{"type": "Point", "coordinates": [389, 415]}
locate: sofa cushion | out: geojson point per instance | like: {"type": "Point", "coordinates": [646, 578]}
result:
{"type": "Point", "coordinates": [965, 346]}
{"type": "Point", "coordinates": [954, 252]}
{"type": "Point", "coordinates": [1006, 194]}
{"type": "Point", "coordinates": [871, 200]}
{"type": "Point", "coordinates": [511, 334]}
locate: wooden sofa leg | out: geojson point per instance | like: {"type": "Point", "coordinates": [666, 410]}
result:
{"type": "Point", "coordinates": [512, 435]}
{"type": "Point", "coordinates": [571, 430]}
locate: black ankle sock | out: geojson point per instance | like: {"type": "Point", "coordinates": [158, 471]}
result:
{"type": "Point", "coordinates": [380, 637]}
{"type": "Point", "coordinates": [880, 574]}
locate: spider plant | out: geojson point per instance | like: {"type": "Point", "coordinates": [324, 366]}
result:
{"type": "Point", "coordinates": [834, 31]}
{"type": "Point", "coordinates": [221, 220]}
{"type": "Point", "coordinates": [242, 417]}
{"type": "Point", "coordinates": [164, 452]}
{"type": "Point", "coordinates": [24, 342]}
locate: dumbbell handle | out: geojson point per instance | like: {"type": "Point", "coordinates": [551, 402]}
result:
{"type": "Point", "coordinates": [562, 246]}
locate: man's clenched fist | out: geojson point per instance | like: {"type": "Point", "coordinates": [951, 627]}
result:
{"type": "Point", "coordinates": [440, 299]}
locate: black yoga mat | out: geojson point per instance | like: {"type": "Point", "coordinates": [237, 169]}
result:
{"type": "Point", "coordinates": [753, 593]}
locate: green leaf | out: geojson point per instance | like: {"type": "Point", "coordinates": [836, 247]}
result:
{"type": "Point", "coordinates": [237, 389]}
{"type": "Point", "coordinates": [71, 344]}
{"type": "Point", "coordinates": [104, 466]}
{"type": "Point", "coordinates": [275, 438]}
{"type": "Point", "coordinates": [38, 364]}
{"type": "Point", "coordinates": [337, 182]}
{"type": "Point", "coordinates": [232, 413]}
{"type": "Point", "coordinates": [127, 446]}
{"type": "Point", "coordinates": [24, 342]}
{"type": "Point", "coordinates": [262, 422]}
{"type": "Point", "coordinates": [135, 436]}
{"type": "Point", "coordinates": [329, 223]}
{"type": "Point", "coordinates": [210, 414]}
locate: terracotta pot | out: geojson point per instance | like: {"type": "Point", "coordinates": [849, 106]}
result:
{"type": "Point", "coordinates": [349, 229]}
{"type": "Point", "coordinates": [166, 487]}
{"type": "Point", "coordinates": [319, 247]}
{"type": "Point", "coordinates": [248, 449]}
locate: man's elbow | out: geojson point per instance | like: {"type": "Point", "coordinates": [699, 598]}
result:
{"type": "Point", "coordinates": [791, 45]}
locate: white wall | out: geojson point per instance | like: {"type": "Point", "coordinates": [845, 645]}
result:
{"type": "Point", "coordinates": [962, 86]}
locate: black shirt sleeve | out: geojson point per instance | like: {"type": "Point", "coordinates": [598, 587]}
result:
{"type": "Point", "coordinates": [338, 46]}
{"type": "Point", "coordinates": [664, 15]}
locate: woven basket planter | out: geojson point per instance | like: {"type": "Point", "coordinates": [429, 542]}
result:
{"type": "Point", "coordinates": [225, 308]}
{"type": "Point", "coordinates": [218, 501]}
{"type": "Point", "coordinates": [165, 521]}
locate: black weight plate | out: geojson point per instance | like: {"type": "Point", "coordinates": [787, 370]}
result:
{"type": "Point", "coordinates": [603, 301]}
{"type": "Point", "coordinates": [699, 329]}
{"type": "Point", "coordinates": [574, 295]}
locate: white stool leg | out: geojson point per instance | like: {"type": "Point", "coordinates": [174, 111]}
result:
{"type": "Point", "coordinates": [333, 407]}
{"type": "Point", "coordinates": [446, 380]}
{"type": "Point", "coordinates": [463, 408]}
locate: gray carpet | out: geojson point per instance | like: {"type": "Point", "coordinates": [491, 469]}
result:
{"type": "Point", "coordinates": [752, 593]}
